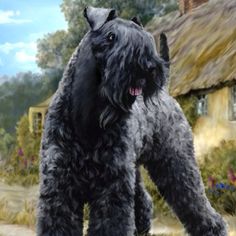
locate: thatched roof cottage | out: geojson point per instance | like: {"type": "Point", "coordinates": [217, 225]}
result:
{"type": "Point", "coordinates": [203, 66]}
{"type": "Point", "coordinates": [202, 39]}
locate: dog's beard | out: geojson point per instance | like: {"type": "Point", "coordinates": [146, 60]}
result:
{"type": "Point", "coordinates": [121, 96]}
{"type": "Point", "coordinates": [118, 95]}
{"type": "Point", "coordinates": [122, 83]}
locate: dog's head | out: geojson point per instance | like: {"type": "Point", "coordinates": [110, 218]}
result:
{"type": "Point", "coordinates": [125, 56]}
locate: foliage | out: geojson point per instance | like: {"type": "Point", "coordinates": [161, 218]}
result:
{"type": "Point", "coordinates": [224, 201]}
{"type": "Point", "coordinates": [5, 214]}
{"type": "Point", "coordinates": [55, 49]}
{"type": "Point", "coordinates": [51, 50]}
{"type": "Point", "coordinates": [229, 204]}
{"type": "Point", "coordinates": [26, 216]}
{"type": "Point", "coordinates": [20, 178]}
{"type": "Point", "coordinates": [188, 104]}
{"type": "Point", "coordinates": [22, 167]}
{"type": "Point", "coordinates": [216, 165]}
{"type": "Point", "coordinates": [29, 143]}
{"type": "Point", "coordinates": [218, 161]}
{"type": "Point", "coordinates": [21, 91]}
{"type": "Point", "coordinates": [6, 144]}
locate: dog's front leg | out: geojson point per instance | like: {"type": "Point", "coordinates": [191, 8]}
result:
{"type": "Point", "coordinates": [143, 206]}
{"type": "Point", "coordinates": [60, 208]}
{"type": "Point", "coordinates": [112, 210]}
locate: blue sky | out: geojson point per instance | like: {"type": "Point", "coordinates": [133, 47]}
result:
{"type": "Point", "coordinates": [22, 22]}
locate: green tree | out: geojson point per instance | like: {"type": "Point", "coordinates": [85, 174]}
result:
{"type": "Point", "coordinates": [28, 144]}
{"type": "Point", "coordinates": [52, 50]}
{"type": "Point", "coordinates": [6, 144]}
{"type": "Point", "coordinates": [22, 91]}
{"type": "Point", "coordinates": [22, 166]}
{"type": "Point", "coordinates": [55, 49]}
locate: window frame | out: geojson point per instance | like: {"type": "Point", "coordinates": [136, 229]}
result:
{"type": "Point", "coordinates": [232, 103]}
{"type": "Point", "coordinates": [203, 101]}
{"type": "Point", "coordinates": [37, 122]}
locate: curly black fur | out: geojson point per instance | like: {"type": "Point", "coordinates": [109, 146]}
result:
{"type": "Point", "coordinates": [98, 131]}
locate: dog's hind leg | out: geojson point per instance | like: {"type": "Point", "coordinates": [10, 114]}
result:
{"type": "Point", "coordinates": [143, 206]}
{"type": "Point", "coordinates": [174, 170]}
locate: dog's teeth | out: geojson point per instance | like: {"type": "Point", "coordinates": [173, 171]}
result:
{"type": "Point", "coordinates": [131, 91]}
{"type": "Point", "coordinates": [138, 91]}
{"type": "Point", "coordinates": [135, 91]}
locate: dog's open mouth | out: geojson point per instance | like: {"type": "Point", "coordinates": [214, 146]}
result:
{"type": "Point", "coordinates": [135, 91]}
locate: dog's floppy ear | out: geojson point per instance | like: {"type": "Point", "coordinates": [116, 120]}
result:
{"type": "Point", "coordinates": [97, 17]}
{"type": "Point", "coordinates": [137, 21]}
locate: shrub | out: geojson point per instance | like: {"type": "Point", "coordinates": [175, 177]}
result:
{"type": "Point", "coordinates": [216, 166]}
{"type": "Point", "coordinates": [22, 166]}
{"type": "Point", "coordinates": [218, 162]}
{"type": "Point", "coordinates": [6, 144]}
{"type": "Point", "coordinates": [188, 104]}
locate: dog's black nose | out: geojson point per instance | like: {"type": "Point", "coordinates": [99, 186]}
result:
{"type": "Point", "coordinates": [142, 82]}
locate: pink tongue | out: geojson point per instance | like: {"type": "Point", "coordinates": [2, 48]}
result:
{"type": "Point", "coordinates": [135, 91]}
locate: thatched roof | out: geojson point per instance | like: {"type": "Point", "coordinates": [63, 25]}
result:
{"type": "Point", "coordinates": [44, 103]}
{"type": "Point", "coordinates": [202, 46]}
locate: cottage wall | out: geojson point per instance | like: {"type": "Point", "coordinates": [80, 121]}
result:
{"type": "Point", "coordinates": [211, 129]}
{"type": "Point", "coordinates": [32, 111]}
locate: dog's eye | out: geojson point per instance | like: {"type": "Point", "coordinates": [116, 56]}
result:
{"type": "Point", "coordinates": [110, 37]}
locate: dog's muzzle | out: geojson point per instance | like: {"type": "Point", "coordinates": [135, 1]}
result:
{"type": "Point", "coordinates": [137, 89]}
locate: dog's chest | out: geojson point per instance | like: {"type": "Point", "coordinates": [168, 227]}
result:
{"type": "Point", "coordinates": [141, 127]}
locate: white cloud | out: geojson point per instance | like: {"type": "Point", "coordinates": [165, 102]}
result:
{"type": "Point", "coordinates": [10, 17]}
{"type": "Point", "coordinates": [23, 57]}
{"type": "Point", "coordinates": [17, 13]}
{"type": "Point", "coordinates": [8, 47]}
{"type": "Point", "coordinates": [23, 54]}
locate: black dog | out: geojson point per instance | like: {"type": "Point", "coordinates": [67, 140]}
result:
{"type": "Point", "coordinates": [110, 113]}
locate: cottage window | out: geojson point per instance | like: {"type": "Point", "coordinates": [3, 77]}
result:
{"type": "Point", "coordinates": [202, 105]}
{"type": "Point", "coordinates": [233, 103]}
{"type": "Point", "coordinates": [37, 122]}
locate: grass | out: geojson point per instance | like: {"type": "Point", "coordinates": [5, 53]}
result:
{"type": "Point", "coordinates": [216, 165]}
{"type": "Point", "coordinates": [5, 214]}
{"type": "Point", "coordinates": [24, 217]}
{"type": "Point", "coordinates": [25, 179]}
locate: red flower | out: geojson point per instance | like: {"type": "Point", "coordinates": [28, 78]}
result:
{"type": "Point", "coordinates": [20, 152]}
{"type": "Point", "coordinates": [231, 176]}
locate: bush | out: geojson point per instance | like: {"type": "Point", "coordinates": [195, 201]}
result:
{"type": "Point", "coordinates": [7, 142]}
{"type": "Point", "coordinates": [22, 167]}
{"type": "Point", "coordinates": [188, 104]}
{"type": "Point", "coordinates": [218, 162]}
{"type": "Point", "coordinates": [221, 188]}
